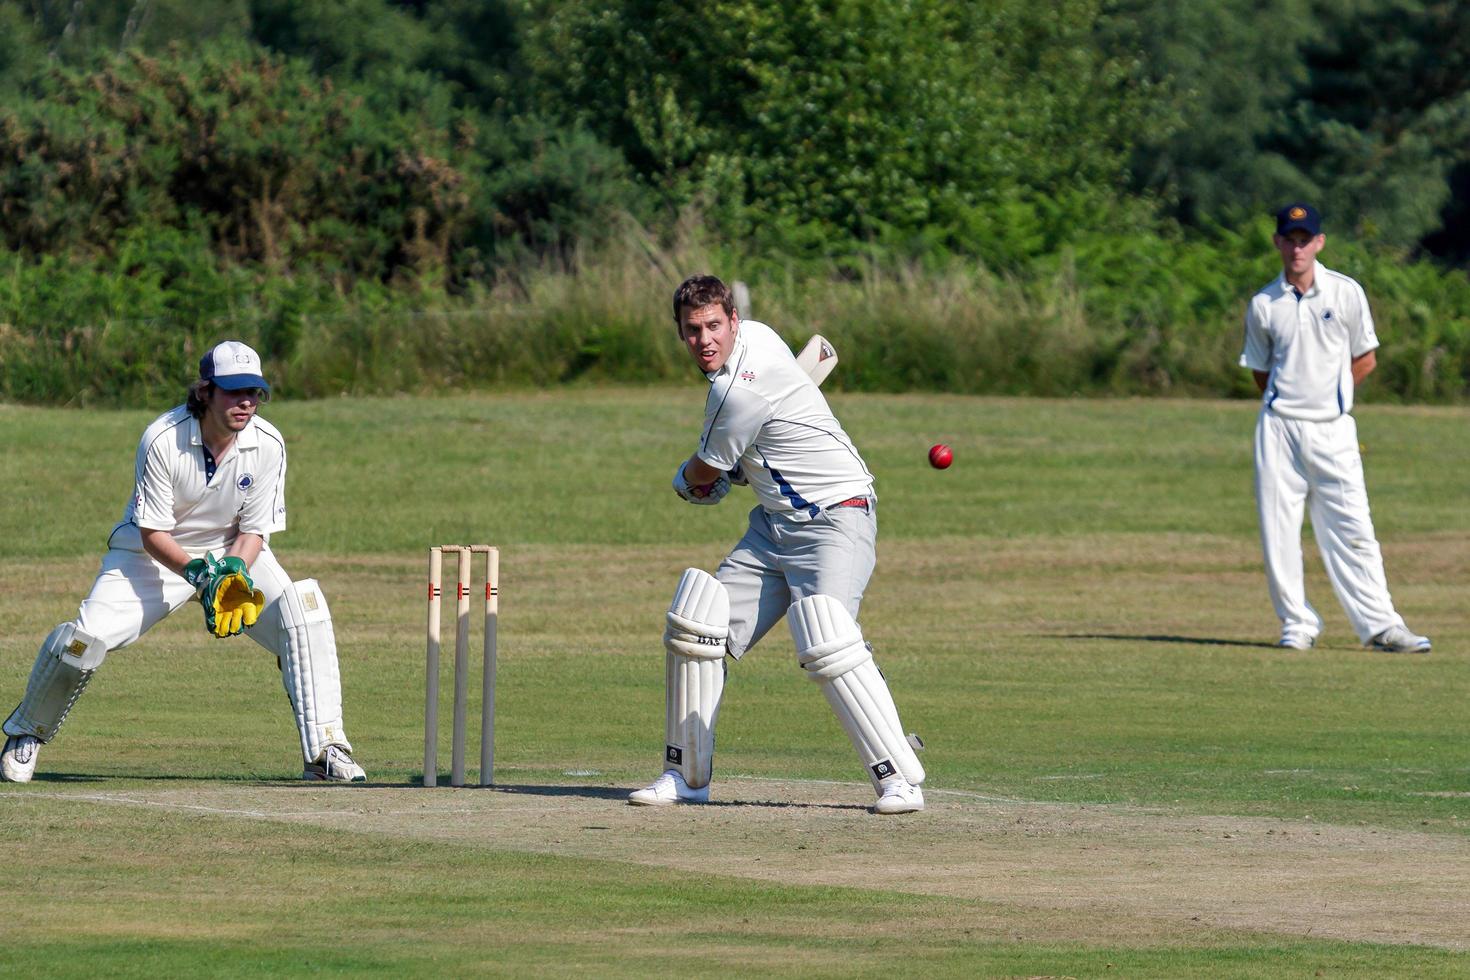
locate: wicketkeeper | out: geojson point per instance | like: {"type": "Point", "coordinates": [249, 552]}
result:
{"type": "Point", "coordinates": [807, 555]}
{"type": "Point", "coordinates": [210, 484]}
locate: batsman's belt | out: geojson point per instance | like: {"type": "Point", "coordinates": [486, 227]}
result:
{"type": "Point", "coordinates": [866, 503]}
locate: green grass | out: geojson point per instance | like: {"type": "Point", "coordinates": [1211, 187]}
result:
{"type": "Point", "coordinates": [1074, 612]}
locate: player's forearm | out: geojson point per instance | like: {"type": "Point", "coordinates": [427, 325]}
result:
{"type": "Point", "coordinates": [162, 548]}
{"type": "Point", "coordinates": [697, 471]}
{"type": "Point", "coordinates": [247, 548]}
{"type": "Point", "coordinates": [1363, 366]}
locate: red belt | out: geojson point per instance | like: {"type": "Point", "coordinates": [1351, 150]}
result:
{"type": "Point", "coordinates": [862, 502]}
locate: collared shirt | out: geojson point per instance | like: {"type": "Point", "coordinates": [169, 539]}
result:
{"type": "Point", "coordinates": [1307, 344]}
{"type": "Point", "coordinates": [171, 492]}
{"type": "Point", "coordinates": [765, 413]}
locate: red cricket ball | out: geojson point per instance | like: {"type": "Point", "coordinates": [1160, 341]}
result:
{"type": "Point", "coordinates": [941, 456]}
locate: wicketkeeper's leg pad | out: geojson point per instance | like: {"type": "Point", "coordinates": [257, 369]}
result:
{"type": "Point", "coordinates": [697, 626]}
{"type": "Point", "coordinates": [66, 662]}
{"type": "Point", "coordinates": [830, 648]}
{"type": "Point", "coordinates": [308, 655]}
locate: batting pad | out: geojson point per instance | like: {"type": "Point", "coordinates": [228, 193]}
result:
{"type": "Point", "coordinates": [697, 624]}
{"type": "Point", "coordinates": [308, 654]}
{"type": "Point", "coordinates": [66, 662]}
{"type": "Point", "coordinates": [830, 648]}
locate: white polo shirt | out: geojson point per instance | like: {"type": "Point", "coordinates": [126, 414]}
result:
{"type": "Point", "coordinates": [1307, 344]}
{"type": "Point", "coordinates": [246, 494]}
{"type": "Point", "coordinates": [764, 413]}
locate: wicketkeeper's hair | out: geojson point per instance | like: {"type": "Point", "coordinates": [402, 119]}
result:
{"type": "Point", "coordinates": [198, 399]}
{"type": "Point", "coordinates": [697, 291]}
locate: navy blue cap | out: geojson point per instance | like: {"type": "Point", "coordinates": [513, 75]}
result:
{"type": "Point", "coordinates": [1298, 216]}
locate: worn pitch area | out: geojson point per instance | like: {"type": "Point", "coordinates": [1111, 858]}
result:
{"type": "Point", "coordinates": [1092, 873]}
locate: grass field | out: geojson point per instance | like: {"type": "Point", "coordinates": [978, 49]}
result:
{"type": "Point", "coordinates": [1125, 777]}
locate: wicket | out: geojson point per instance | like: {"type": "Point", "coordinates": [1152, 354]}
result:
{"type": "Point", "coordinates": [461, 663]}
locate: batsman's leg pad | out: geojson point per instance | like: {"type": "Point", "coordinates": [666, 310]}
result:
{"type": "Point", "coordinates": [66, 662]}
{"type": "Point", "coordinates": [697, 626]}
{"type": "Point", "coordinates": [830, 648]}
{"type": "Point", "coordinates": [308, 655]}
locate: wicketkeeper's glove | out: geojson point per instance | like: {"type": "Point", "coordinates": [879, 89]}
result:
{"type": "Point", "coordinates": [230, 599]}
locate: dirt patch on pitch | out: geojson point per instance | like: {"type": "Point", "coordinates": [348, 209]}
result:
{"type": "Point", "coordinates": [1087, 873]}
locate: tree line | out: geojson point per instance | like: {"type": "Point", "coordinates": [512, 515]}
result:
{"type": "Point", "coordinates": [171, 169]}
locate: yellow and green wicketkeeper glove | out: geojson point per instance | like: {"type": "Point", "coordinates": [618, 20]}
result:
{"type": "Point", "coordinates": [230, 599]}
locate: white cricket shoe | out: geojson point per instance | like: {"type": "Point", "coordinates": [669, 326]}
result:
{"type": "Point", "coordinates": [1398, 639]}
{"type": "Point", "coordinates": [667, 790]}
{"type": "Point", "coordinates": [1296, 640]}
{"type": "Point", "coordinates": [18, 761]}
{"type": "Point", "coordinates": [335, 766]}
{"type": "Point", "coordinates": [900, 796]}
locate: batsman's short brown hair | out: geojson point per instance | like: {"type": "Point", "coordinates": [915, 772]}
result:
{"type": "Point", "coordinates": [702, 290]}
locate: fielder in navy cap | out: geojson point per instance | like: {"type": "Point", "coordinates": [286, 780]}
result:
{"type": "Point", "coordinates": [1309, 343]}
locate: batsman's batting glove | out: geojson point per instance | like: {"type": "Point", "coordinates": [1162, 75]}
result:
{"type": "Point", "coordinates": [704, 494]}
{"type": "Point", "coordinates": [230, 599]}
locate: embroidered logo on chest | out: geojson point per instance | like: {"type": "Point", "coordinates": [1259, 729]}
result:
{"type": "Point", "coordinates": [1327, 314]}
{"type": "Point", "coordinates": [245, 482]}
{"type": "Point", "coordinates": [747, 375]}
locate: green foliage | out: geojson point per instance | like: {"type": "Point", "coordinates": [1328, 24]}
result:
{"type": "Point", "coordinates": [128, 327]}
{"type": "Point", "coordinates": [393, 194]}
{"type": "Point", "coordinates": [278, 166]}
{"type": "Point", "coordinates": [819, 126]}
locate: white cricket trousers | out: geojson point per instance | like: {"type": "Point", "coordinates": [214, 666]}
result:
{"type": "Point", "coordinates": [1318, 463]}
{"type": "Point", "coordinates": [133, 593]}
{"type": "Point", "coordinates": [779, 561]}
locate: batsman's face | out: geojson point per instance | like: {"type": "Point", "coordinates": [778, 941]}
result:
{"type": "Point", "coordinates": [1298, 250]}
{"type": "Point", "coordinates": [709, 333]}
{"type": "Point", "coordinates": [233, 410]}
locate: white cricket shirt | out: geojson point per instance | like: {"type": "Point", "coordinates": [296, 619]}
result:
{"type": "Point", "coordinates": [764, 413]}
{"type": "Point", "coordinates": [247, 493]}
{"type": "Point", "coordinates": [1307, 344]}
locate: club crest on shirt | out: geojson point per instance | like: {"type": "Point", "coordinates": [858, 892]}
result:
{"type": "Point", "coordinates": [747, 375]}
{"type": "Point", "coordinates": [245, 482]}
{"type": "Point", "coordinates": [1327, 314]}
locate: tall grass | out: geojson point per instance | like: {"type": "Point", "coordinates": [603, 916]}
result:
{"type": "Point", "coordinates": [1142, 315]}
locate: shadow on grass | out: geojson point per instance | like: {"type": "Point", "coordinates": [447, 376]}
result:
{"type": "Point", "coordinates": [1209, 641]}
{"type": "Point", "coordinates": [620, 793]}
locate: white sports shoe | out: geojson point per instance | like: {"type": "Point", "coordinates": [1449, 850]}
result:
{"type": "Point", "coordinates": [335, 766]}
{"type": "Point", "coordinates": [18, 761]}
{"type": "Point", "coordinates": [1398, 639]}
{"type": "Point", "coordinates": [900, 796]}
{"type": "Point", "coordinates": [1296, 640]}
{"type": "Point", "coordinates": [667, 790]}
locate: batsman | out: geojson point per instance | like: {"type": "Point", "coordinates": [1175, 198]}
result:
{"type": "Point", "coordinates": [209, 491]}
{"type": "Point", "coordinates": [807, 555]}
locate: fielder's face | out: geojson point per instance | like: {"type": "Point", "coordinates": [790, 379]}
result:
{"type": "Point", "coordinates": [1298, 250]}
{"type": "Point", "coordinates": [709, 333]}
{"type": "Point", "coordinates": [233, 410]}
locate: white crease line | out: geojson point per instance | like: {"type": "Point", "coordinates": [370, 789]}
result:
{"type": "Point", "coordinates": [277, 814]}
{"type": "Point", "coordinates": [274, 814]}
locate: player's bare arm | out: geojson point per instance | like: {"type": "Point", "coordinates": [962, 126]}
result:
{"type": "Point", "coordinates": [1363, 366]}
{"type": "Point", "coordinates": [1261, 378]}
{"type": "Point", "coordinates": [162, 548]}
{"type": "Point", "coordinates": [697, 471]}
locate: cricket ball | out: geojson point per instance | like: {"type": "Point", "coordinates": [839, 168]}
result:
{"type": "Point", "coordinates": [941, 456]}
